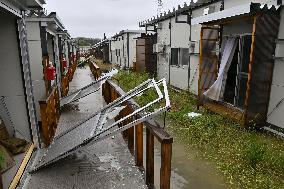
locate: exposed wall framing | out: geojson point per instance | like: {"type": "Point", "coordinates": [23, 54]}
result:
{"type": "Point", "coordinates": [265, 27]}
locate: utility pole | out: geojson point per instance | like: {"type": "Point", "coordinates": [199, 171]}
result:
{"type": "Point", "coordinates": [160, 7]}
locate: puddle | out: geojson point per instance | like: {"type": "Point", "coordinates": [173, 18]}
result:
{"type": "Point", "coordinates": [187, 170]}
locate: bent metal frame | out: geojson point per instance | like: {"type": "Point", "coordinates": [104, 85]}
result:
{"type": "Point", "coordinates": [87, 90]}
{"type": "Point", "coordinates": [100, 126]}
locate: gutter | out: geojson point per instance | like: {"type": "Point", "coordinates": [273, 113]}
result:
{"type": "Point", "coordinates": [10, 8]}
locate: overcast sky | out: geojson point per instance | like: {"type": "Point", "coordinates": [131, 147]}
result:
{"type": "Point", "coordinates": [92, 18]}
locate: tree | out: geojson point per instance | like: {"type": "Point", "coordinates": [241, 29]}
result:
{"type": "Point", "coordinates": [84, 41]}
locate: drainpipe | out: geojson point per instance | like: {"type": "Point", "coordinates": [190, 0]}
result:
{"type": "Point", "coordinates": [170, 61]}
{"type": "Point", "coordinates": [110, 50]}
{"type": "Point", "coordinates": [189, 61]}
{"type": "Point", "coordinates": [128, 49]}
{"type": "Point", "coordinates": [122, 39]}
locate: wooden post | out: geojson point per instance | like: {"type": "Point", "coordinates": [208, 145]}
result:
{"type": "Point", "coordinates": [248, 91]}
{"type": "Point", "coordinates": [165, 172]}
{"type": "Point", "coordinates": [149, 159]}
{"type": "Point", "coordinates": [200, 70]}
{"type": "Point", "coordinates": [44, 124]}
{"type": "Point", "coordinates": [130, 133]}
{"type": "Point", "coordinates": [139, 145]}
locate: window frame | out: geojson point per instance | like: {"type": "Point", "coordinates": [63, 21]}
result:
{"type": "Point", "coordinates": [179, 57]}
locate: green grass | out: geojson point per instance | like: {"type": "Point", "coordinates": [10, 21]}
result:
{"type": "Point", "coordinates": [245, 158]}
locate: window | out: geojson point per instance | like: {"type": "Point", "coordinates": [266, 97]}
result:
{"type": "Point", "coordinates": [117, 52]}
{"type": "Point", "coordinates": [174, 56]}
{"type": "Point", "coordinates": [179, 56]}
{"type": "Point", "coordinates": [184, 56]}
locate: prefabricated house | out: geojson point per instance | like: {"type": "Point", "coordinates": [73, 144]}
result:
{"type": "Point", "coordinates": [238, 59]}
{"type": "Point", "coordinates": [102, 50]}
{"type": "Point", "coordinates": [123, 48]}
{"type": "Point", "coordinates": [64, 52]}
{"type": "Point", "coordinates": [250, 91]}
{"type": "Point", "coordinates": [44, 42]}
{"type": "Point", "coordinates": [177, 46]}
{"type": "Point", "coordinates": [16, 83]}
{"type": "Point", "coordinates": [146, 59]}
{"type": "Point", "coordinates": [84, 49]}
{"type": "Point", "coordinates": [17, 104]}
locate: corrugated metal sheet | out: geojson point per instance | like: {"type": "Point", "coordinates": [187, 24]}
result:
{"type": "Point", "coordinates": [267, 27]}
{"type": "Point", "coordinates": [241, 10]}
{"type": "Point", "coordinates": [27, 79]}
{"type": "Point", "coordinates": [100, 125]}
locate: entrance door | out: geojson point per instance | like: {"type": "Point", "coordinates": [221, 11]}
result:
{"type": "Point", "coordinates": [237, 77]}
{"type": "Point", "coordinates": [209, 60]}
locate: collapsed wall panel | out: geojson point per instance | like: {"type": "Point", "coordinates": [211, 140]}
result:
{"type": "Point", "coordinates": [266, 33]}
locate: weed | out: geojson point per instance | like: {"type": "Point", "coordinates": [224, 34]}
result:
{"type": "Point", "coordinates": [245, 157]}
{"type": "Point", "coordinates": [255, 152]}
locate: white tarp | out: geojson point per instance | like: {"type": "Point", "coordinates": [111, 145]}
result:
{"type": "Point", "coordinates": [216, 91]}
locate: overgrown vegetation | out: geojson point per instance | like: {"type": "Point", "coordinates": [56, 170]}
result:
{"type": "Point", "coordinates": [103, 66]}
{"type": "Point", "coordinates": [246, 158]}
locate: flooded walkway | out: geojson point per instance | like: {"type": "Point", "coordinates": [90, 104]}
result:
{"type": "Point", "coordinates": [105, 165]}
{"type": "Point", "coordinates": [188, 171]}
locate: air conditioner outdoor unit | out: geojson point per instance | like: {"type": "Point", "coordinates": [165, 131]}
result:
{"type": "Point", "coordinates": [193, 47]}
{"type": "Point", "coordinates": [158, 48]}
{"type": "Point", "coordinates": [159, 25]}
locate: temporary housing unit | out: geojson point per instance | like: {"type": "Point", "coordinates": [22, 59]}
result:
{"type": "Point", "coordinates": [64, 40]}
{"type": "Point", "coordinates": [44, 42]}
{"type": "Point", "coordinates": [146, 59]}
{"type": "Point", "coordinates": [84, 49]}
{"type": "Point", "coordinates": [98, 52]}
{"type": "Point", "coordinates": [17, 98]}
{"type": "Point", "coordinates": [17, 105]}
{"type": "Point", "coordinates": [123, 48]}
{"type": "Point", "coordinates": [177, 46]}
{"type": "Point", "coordinates": [237, 60]}
{"type": "Point", "coordinates": [102, 50]}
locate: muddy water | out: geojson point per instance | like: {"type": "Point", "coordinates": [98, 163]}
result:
{"type": "Point", "coordinates": [188, 171]}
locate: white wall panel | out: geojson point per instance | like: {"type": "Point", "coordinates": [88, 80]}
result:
{"type": "Point", "coordinates": [180, 34]}
{"type": "Point", "coordinates": [179, 77]}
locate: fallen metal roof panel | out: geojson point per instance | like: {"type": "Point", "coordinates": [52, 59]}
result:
{"type": "Point", "coordinates": [100, 125]}
{"type": "Point", "coordinates": [87, 90]}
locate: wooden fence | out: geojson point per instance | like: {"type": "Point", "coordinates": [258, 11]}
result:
{"type": "Point", "coordinates": [71, 71]}
{"type": "Point", "coordinates": [49, 110]}
{"type": "Point", "coordinates": [66, 79]}
{"type": "Point", "coordinates": [96, 71]}
{"type": "Point", "coordinates": [134, 139]}
{"type": "Point", "coordinates": [64, 85]}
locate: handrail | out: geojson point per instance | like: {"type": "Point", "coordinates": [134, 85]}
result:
{"type": "Point", "coordinates": [49, 110]}
{"type": "Point", "coordinates": [95, 69]}
{"type": "Point", "coordinates": [112, 91]}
